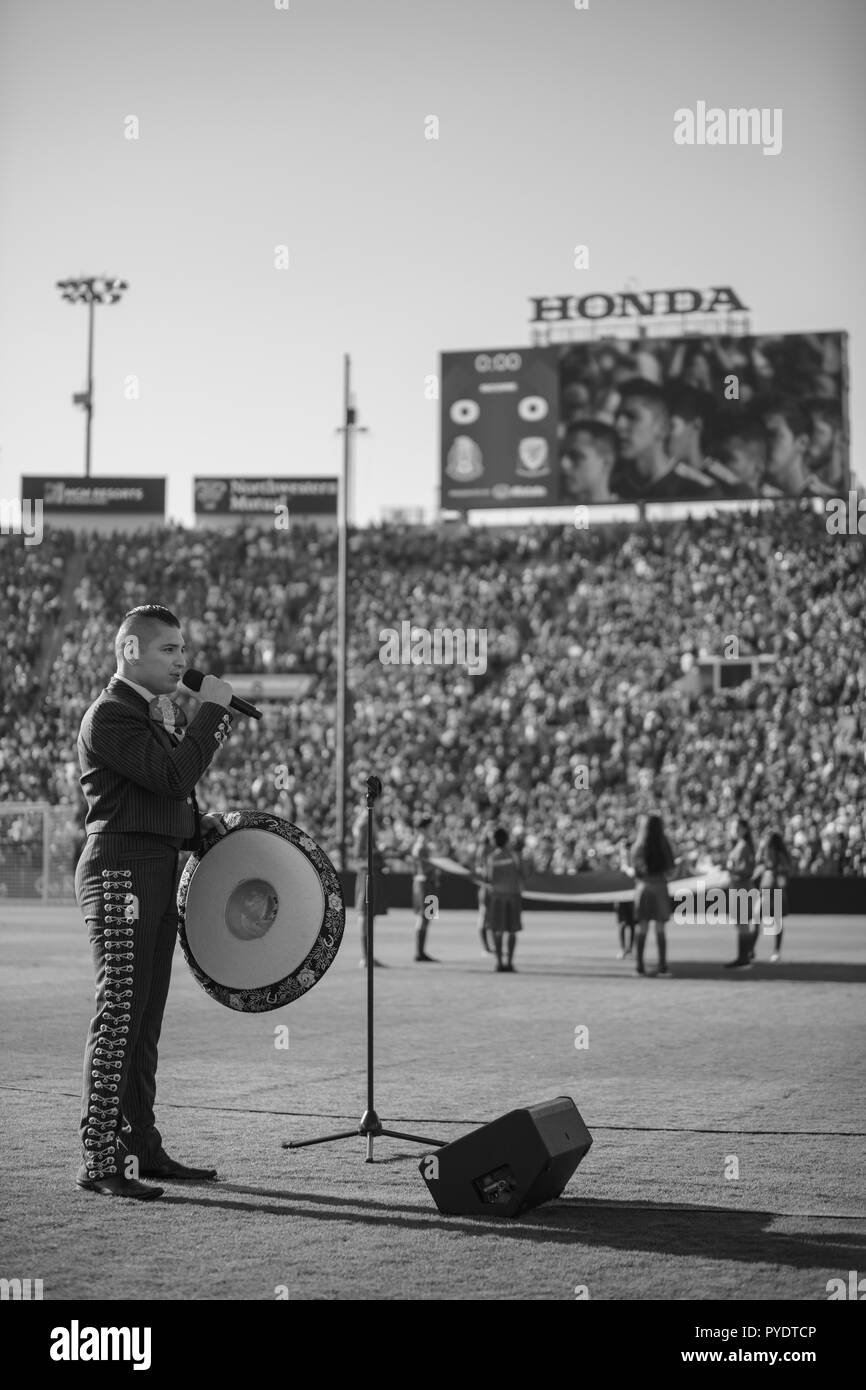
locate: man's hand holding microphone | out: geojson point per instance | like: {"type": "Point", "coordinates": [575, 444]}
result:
{"type": "Point", "coordinates": [211, 691]}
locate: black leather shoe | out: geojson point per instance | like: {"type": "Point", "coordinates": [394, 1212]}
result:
{"type": "Point", "coordinates": [116, 1185]}
{"type": "Point", "coordinates": [164, 1167]}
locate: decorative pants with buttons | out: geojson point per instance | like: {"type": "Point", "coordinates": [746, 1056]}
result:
{"type": "Point", "coordinates": [126, 889]}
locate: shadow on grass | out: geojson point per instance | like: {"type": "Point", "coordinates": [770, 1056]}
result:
{"type": "Point", "coordinates": [805, 972]}
{"type": "Point", "coordinates": [701, 1232]}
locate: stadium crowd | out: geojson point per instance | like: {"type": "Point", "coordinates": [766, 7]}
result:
{"type": "Point", "coordinates": [583, 717]}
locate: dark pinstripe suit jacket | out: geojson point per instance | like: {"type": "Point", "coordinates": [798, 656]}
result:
{"type": "Point", "coordinates": [135, 778]}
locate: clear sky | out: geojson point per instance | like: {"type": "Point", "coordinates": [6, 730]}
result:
{"type": "Point", "coordinates": [305, 127]}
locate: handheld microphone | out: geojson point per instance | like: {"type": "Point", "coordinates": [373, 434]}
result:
{"type": "Point", "coordinates": [192, 679]}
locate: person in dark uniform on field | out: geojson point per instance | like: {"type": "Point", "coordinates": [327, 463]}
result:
{"type": "Point", "coordinates": [504, 887]}
{"type": "Point", "coordinates": [772, 871]}
{"type": "Point", "coordinates": [741, 867]}
{"type": "Point", "coordinates": [140, 761]}
{"type": "Point", "coordinates": [425, 880]}
{"type": "Point", "coordinates": [378, 890]}
{"type": "Point", "coordinates": [484, 850]}
{"type": "Point", "coordinates": [624, 910]}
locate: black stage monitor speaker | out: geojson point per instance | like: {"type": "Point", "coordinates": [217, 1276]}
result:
{"type": "Point", "coordinates": [514, 1163]}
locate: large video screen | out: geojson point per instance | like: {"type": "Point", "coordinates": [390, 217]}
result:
{"type": "Point", "coordinates": [646, 420]}
{"type": "Point", "coordinates": [703, 418]}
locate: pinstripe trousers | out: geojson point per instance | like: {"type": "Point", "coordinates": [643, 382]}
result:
{"type": "Point", "coordinates": [125, 886]}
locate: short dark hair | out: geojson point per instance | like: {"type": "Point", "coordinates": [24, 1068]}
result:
{"type": "Point", "coordinates": [154, 611]}
{"type": "Point", "coordinates": [824, 409]}
{"type": "Point", "coordinates": [603, 434]}
{"type": "Point", "coordinates": [688, 402]}
{"type": "Point", "coordinates": [791, 412]}
{"type": "Point", "coordinates": [641, 389]}
{"type": "Point", "coordinates": [500, 837]}
{"type": "Point", "coordinates": [140, 622]}
{"type": "Point", "coordinates": [738, 425]}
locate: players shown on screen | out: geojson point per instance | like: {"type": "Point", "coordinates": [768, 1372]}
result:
{"type": "Point", "coordinates": [662, 421]}
{"type": "Point", "coordinates": [588, 461]}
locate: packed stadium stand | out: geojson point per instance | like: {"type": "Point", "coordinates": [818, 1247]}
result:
{"type": "Point", "coordinates": [580, 720]}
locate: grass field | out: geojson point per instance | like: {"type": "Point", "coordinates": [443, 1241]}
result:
{"type": "Point", "coordinates": [679, 1078]}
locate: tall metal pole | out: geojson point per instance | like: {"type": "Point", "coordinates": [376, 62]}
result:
{"type": "Point", "coordinates": [89, 407]}
{"type": "Point", "coordinates": [91, 290]}
{"type": "Point", "coordinates": [342, 601]}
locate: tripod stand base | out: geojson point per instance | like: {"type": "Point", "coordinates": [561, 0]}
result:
{"type": "Point", "coordinates": [371, 1127]}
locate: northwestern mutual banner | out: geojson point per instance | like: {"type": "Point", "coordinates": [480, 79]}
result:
{"type": "Point", "coordinates": [260, 496]}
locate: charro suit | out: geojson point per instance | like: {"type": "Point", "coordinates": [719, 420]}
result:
{"type": "Point", "coordinates": [139, 784]}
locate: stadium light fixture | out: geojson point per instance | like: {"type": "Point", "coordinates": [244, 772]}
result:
{"type": "Point", "coordinates": [90, 290]}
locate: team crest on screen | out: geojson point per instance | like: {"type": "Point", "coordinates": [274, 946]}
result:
{"type": "Point", "coordinates": [465, 461]}
{"type": "Point", "coordinates": [534, 457]}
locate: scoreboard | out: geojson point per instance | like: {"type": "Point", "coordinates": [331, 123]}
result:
{"type": "Point", "coordinates": [697, 418]}
{"type": "Point", "coordinates": [500, 413]}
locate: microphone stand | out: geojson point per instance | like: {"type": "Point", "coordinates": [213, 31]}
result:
{"type": "Point", "coordinates": [371, 1126]}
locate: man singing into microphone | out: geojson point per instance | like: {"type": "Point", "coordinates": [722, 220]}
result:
{"type": "Point", "coordinates": [140, 762]}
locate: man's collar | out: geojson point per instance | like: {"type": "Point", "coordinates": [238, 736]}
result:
{"type": "Point", "coordinates": [147, 695]}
